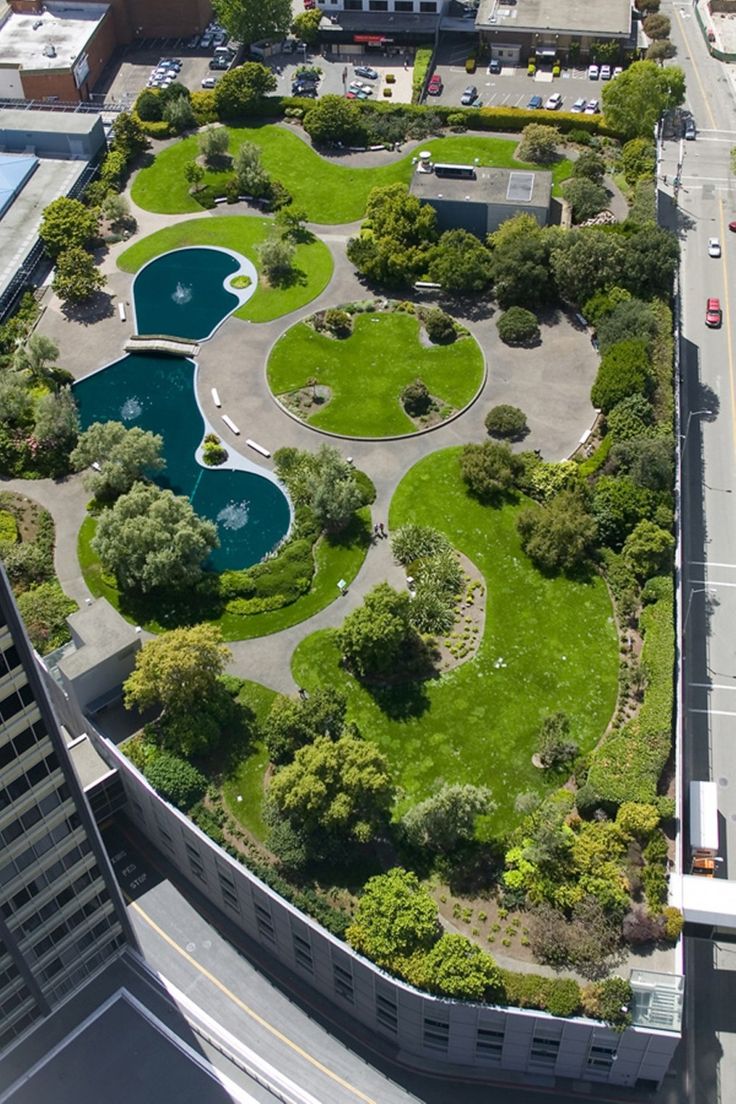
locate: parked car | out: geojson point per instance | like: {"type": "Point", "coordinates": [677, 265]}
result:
{"type": "Point", "coordinates": [578, 107]}
{"type": "Point", "coordinates": [713, 313]}
{"type": "Point", "coordinates": [593, 72]}
{"type": "Point", "coordinates": [359, 86]}
{"type": "Point", "coordinates": [732, 226]}
{"type": "Point", "coordinates": [495, 66]}
{"type": "Point", "coordinates": [690, 130]}
{"type": "Point", "coordinates": [205, 41]}
{"type": "Point", "coordinates": [193, 42]}
{"type": "Point", "coordinates": [208, 82]}
{"type": "Point", "coordinates": [304, 88]}
{"type": "Point", "coordinates": [714, 247]}
{"type": "Point", "coordinates": [618, 71]}
{"type": "Point", "coordinates": [554, 103]}
{"type": "Point", "coordinates": [592, 107]}
{"type": "Point", "coordinates": [605, 72]}
{"type": "Point", "coordinates": [535, 103]}
{"type": "Point", "coordinates": [435, 86]}
{"type": "Point", "coordinates": [366, 71]}
{"type": "Point", "coordinates": [469, 96]}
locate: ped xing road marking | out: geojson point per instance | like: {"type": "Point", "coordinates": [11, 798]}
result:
{"type": "Point", "coordinates": [251, 1011]}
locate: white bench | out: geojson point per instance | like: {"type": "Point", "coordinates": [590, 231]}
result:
{"type": "Point", "coordinates": [259, 448]}
{"type": "Point", "coordinates": [231, 425]}
{"type": "Point", "coordinates": [216, 397]}
{"type": "Point", "coordinates": [121, 311]}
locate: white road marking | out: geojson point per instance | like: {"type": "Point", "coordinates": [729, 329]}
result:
{"type": "Point", "coordinates": [713, 685]}
{"type": "Point", "coordinates": [714, 712]}
{"type": "Point", "coordinates": [711, 563]}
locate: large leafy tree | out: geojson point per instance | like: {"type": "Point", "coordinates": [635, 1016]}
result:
{"type": "Point", "coordinates": [239, 90]}
{"type": "Point", "coordinates": [338, 787]}
{"type": "Point", "coordinates": [460, 262]}
{"type": "Point", "coordinates": [560, 535]}
{"type": "Point", "coordinates": [294, 722]}
{"type": "Point", "coordinates": [446, 819]}
{"type": "Point", "coordinates": [128, 136]}
{"type": "Point", "coordinates": [520, 269]}
{"type": "Point", "coordinates": [56, 427]}
{"type": "Point", "coordinates": [152, 538]}
{"type": "Point", "coordinates": [122, 456]}
{"type": "Point", "coordinates": [376, 636]}
{"type": "Point", "coordinates": [397, 237]}
{"type": "Point", "coordinates": [395, 918]}
{"type": "Point", "coordinates": [334, 119]}
{"type": "Point", "coordinates": [254, 20]}
{"type": "Point", "coordinates": [322, 480]}
{"type": "Point", "coordinates": [652, 255]}
{"type": "Point", "coordinates": [66, 223]}
{"type": "Point", "coordinates": [634, 101]}
{"type": "Point", "coordinates": [76, 277]}
{"type": "Point", "coordinates": [37, 357]}
{"type": "Point", "coordinates": [585, 261]}
{"type": "Point", "coordinates": [456, 967]}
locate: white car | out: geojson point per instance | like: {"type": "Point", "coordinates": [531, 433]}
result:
{"type": "Point", "coordinates": [578, 107]}
{"type": "Point", "coordinates": [714, 247]}
{"type": "Point", "coordinates": [360, 86]}
{"type": "Point", "coordinates": [592, 107]}
{"type": "Point", "coordinates": [208, 82]}
{"type": "Point", "coordinates": [617, 71]}
{"type": "Point", "coordinates": [593, 72]}
{"type": "Point", "coordinates": [554, 102]}
{"type": "Point", "coordinates": [605, 72]}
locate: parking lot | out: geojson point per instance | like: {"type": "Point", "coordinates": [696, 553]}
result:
{"type": "Point", "coordinates": [338, 72]}
{"type": "Point", "coordinates": [135, 69]}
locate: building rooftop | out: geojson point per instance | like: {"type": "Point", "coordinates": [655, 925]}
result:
{"type": "Point", "coordinates": [34, 123]}
{"type": "Point", "coordinates": [98, 632]}
{"type": "Point", "coordinates": [491, 186]}
{"type": "Point", "coordinates": [599, 17]}
{"type": "Point", "coordinates": [52, 39]}
{"type": "Point", "coordinates": [15, 168]}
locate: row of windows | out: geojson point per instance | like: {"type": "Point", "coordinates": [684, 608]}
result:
{"type": "Point", "coordinates": [27, 780]}
{"type": "Point", "coordinates": [20, 743]}
{"type": "Point", "coordinates": [14, 702]}
{"type": "Point", "coordinates": [43, 808]}
{"type": "Point", "coordinates": [61, 931]}
{"type": "Point", "coordinates": [9, 660]}
{"type": "Point", "coordinates": [27, 861]}
{"type": "Point", "coordinates": [69, 980]}
{"type": "Point", "coordinates": [426, 7]}
{"type": "Point", "coordinates": [41, 877]}
{"type": "Point", "coordinates": [56, 904]}
{"type": "Point", "coordinates": [16, 1029]}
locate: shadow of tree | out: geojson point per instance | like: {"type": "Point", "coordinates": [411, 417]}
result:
{"type": "Point", "coordinates": [94, 309]}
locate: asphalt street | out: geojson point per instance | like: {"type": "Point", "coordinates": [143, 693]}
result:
{"type": "Point", "coordinates": [706, 204]}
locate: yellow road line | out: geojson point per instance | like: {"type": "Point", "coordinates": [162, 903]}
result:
{"type": "Point", "coordinates": [251, 1012]}
{"type": "Point", "coordinates": [727, 318]}
{"type": "Point", "coordinates": [681, 21]}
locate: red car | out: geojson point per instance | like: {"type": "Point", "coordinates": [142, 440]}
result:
{"type": "Point", "coordinates": [732, 226]}
{"type": "Point", "coordinates": [713, 314]}
{"type": "Point", "coordinates": [434, 88]}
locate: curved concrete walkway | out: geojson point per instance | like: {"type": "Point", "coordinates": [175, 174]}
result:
{"type": "Point", "coordinates": [550, 383]}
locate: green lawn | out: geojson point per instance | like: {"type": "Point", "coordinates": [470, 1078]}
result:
{"type": "Point", "coordinates": [330, 192]}
{"type": "Point", "coordinates": [313, 261]}
{"type": "Point", "coordinates": [554, 641]}
{"type": "Point", "coordinates": [367, 372]}
{"type": "Point", "coordinates": [339, 557]}
{"type": "Point", "coordinates": [246, 780]}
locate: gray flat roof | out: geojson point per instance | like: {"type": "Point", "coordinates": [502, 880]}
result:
{"type": "Point", "coordinates": [98, 632]}
{"type": "Point", "coordinates": [599, 17]}
{"type": "Point", "coordinates": [65, 29]}
{"type": "Point", "coordinates": [496, 186]}
{"type": "Point", "coordinates": [42, 122]}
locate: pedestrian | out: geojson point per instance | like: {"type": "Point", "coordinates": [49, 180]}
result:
{"type": "Point", "coordinates": [383, 531]}
{"type": "Point", "coordinates": [375, 530]}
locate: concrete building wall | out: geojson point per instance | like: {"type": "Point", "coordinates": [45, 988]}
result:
{"type": "Point", "coordinates": [82, 144]}
{"type": "Point", "coordinates": [11, 85]}
{"type": "Point", "coordinates": [429, 1033]}
{"type": "Point", "coordinates": [100, 681]}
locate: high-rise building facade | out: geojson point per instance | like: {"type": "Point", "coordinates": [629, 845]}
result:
{"type": "Point", "coordinates": [61, 914]}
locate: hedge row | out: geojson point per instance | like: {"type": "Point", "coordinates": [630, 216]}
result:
{"type": "Point", "coordinates": [663, 359]}
{"type": "Point", "coordinates": [628, 763]}
{"type": "Point", "coordinates": [558, 996]}
{"type": "Point", "coordinates": [422, 61]}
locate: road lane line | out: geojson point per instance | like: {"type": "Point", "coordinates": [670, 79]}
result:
{"type": "Point", "coordinates": [714, 712]}
{"type": "Point", "coordinates": [710, 583]}
{"type": "Point", "coordinates": [710, 563]}
{"type": "Point", "coordinates": [712, 685]}
{"type": "Point", "coordinates": [681, 21]}
{"type": "Point", "coordinates": [250, 1011]}
{"type": "Point", "coordinates": [729, 333]}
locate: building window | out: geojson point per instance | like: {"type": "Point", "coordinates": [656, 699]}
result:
{"type": "Point", "coordinates": [227, 888]}
{"type": "Point", "coordinates": [601, 1057]}
{"type": "Point", "coordinates": [377, 5]}
{"type": "Point", "coordinates": [489, 1043]}
{"type": "Point", "coordinates": [544, 1050]}
{"type": "Point", "coordinates": [264, 922]}
{"type": "Point", "coordinates": [404, 6]}
{"type": "Point", "coordinates": [353, 5]}
{"type": "Point", "coordinates": [343, 982]}
{"type": "Point", "coordinates": [428, 7]}
{"type": "Point", "coordinates": [386, 1011]}
{"type": "Point", "coordinates": [165, 835]}
{"type": "Point", "coordinates": [303, 952]}
{"type": "Point", "coordinates": [195, 862]}
{"type": "Point", "coordinates": [436, 1033]}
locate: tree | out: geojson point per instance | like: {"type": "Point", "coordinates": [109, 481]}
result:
{"type": "Point", "coordinates": [179, 114]}
{"type": "Point", "coordinates": [456, 967]}
{"type": "Point", "coordinates": [56, 427]}
{"type": "Point", "coordinates": [652, 255]}
{"type": "Point", "coordinates": [252, 178]}
{"type": "Point", "coordinates": [619, 504]}
{"type": "Point", "coordinates": [560, 535]}
{"type": "Point", "coordinates": [649, 461]}
{"type": "Point", "coordinates": [397, 236]}
{"type": "Point", "coordinates": [440, 326]}
{"type": "Point", "coordinates": [630, 419]}
{"type": "Point", "coordinates": [520, 270]}
{"type": "Point", "coordinates": [339, 787]}
{"type": "Point", "coordinates": [178, 673]}
{"type": "Point", "coordinates": [589, 166]}
{"type": "Point", "coordinates": [307, 473]}
{"type": "Point", "coordinates": [291, 220]}
{"type": "Point", "coordinates": [251, 22]}
{"type": "Point", "coordinates": [294, 722]}
{"type": "Point", "coordinates": [44, 610]}
{"type": "Point", "coordinates": [624, 370]}
{"type": "Point", "coordinates": [35, 357]}
{"type": "Point", "coordinates": [585, 261]}
{"type": "Point", "coordinates": [306, 26]}
{"type": "Point", "coordinates": [648, 549]}
{"type": "Point", "coordinates": [586, 198]}
{"type": "Point", "coordinates": [122, 456]}
{"type": "Point", "coordinates": [175, 779]}
{"type": "Point", "coordinates": [589, 942]}
{"type": "Point", "coordinates": [152, 538]}
{"type": "Point", "coordinates": [610, 1000]}
{"type": "Point", "coordinates": [538, 144]}
{"type": "Point", "coordinates": [66, 223]}
{"type": "Point", "coordinates": [416, 399]}
{"type": "Point", "coordinates": [276, 258]}
{"type": "Point", "coordinates": [240, 90]}
{"type": "Point", "coordinates": [657, 26]}
{"type": "Point", "coordinates": [518, 326]}
{"type": "Point", "coordinates": [128, 136]}
{"type": "Point", "coordinates": [194, 175]}
{"type": "Point", "coordinates": [661, 50]}
{"type": "Point", "coordinates": [629, 319]}
{"type": "Point", "coordinates": [376, 637]}
{"type": "Point", "coordinates": [335, 492]}
{"type": "Point", "coordinates": [214, 142]}
{"type": "Point", "coordinates": [506, 421]}
{"type": "Point", "coordinates": [116, 210]}
{"type": "Point", "coordinates": [555, 749]}
{"type": "Point", "coordinates": [490, 470]}
{"type": "Point", "coordinates": [333, 120]}
{"type": "Point", "coordinates": [76, 277]}
{"type": "Point", "coordinates": [443, 821]}
{"type": "Point", "coordinates": [395, 919]}
{"type": "Point", "coordinates": [149, 106]}
{"type": "Point", "coordinates": [460, 262]}
{"type": "Point", "coordinates": [638, 159]}
{"type": "Point", "coordinates": [633, 103]}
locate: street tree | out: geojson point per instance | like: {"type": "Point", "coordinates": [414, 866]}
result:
{"type": "Point", "coordinates": [76, 276]}
{"type": "Point", "coordinates": [490, 470]}
{"type": "Point", "coordinates": [66, 223]}
{"type": "Point", "coordinates": [153, 539]}
{"type": "Point", "coordinates": [634, 101]}
{"type": "Point", "coordinates": [396, 918]}
{"type": "Point", "coordinates": [661, 50]}
{"type": "Point", "coordinates": [240, 90]}
{"type": "Point", "coordinates": [339, 787]}
{"type": "Point", "coordinates": [376, 637]}
{"type": "Point", "coordinates": [560, 535]}
{"type": "Point", "coordinates": [122, 456]}
{"type": "Point", "coordinates": [447, 819]}
{"type": "Point", "coordinates": [459, 262]}
{"type": "Point", "coordinates": [657, 26]}
{"type": "Point", "coordinates": [253, 20]}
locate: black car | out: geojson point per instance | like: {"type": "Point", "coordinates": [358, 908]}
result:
{"type": "Point", "coordinates": [304, 88]}
{"type": "Point", "coordinates": [469, 96]}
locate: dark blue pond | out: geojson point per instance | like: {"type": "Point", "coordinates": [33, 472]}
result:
{"type": "Point", "coordinates": [181, 293]}
{"type": "Point", "coordinates": [157, 393]}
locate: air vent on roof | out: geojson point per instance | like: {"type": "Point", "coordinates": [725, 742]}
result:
{"type": "Point", "coordinates": [49, 50]}
{"type": "Point", "coordinates": [37, 24]}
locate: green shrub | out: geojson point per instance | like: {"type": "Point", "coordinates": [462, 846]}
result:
{"type": "Point", "coordinates": [457, 121]}
{"type": "Point", "coordinates": [673, 922]}
{"type": "Point", "coordinates": [597, 459]}
{"type": "Point", "coordinates": [624, 370]}
{"type": "Point", "coordinates": [387, 93]}
{"type": "Point", "coordinates": [506, 421]}
{"type": "Point", "coordinates": [543, 993]}
{"type": "Point", "coordinates": [175, 779]}
{"type": "Point", "coordinates": [160, 129]}
{"type": "Point", "coordinates": [422, 62]}
{"type": "Point", "coordinates": [8, 528]}
{"type": "Point", "coordinates": [390, 78]}
{"type": "Point", "coordinates": [416, 399]}
{"type": "Point", "coordinates": [366, 485]}
{"type": "Point", "coordinates": [440, 326]}
{"type": "Point", "coordinates": [518, 326]}
{"type": "Point", "coordinates": [44, 610]}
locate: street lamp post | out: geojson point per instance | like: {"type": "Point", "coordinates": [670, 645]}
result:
{"type": "Point", "coordinates": [692, 414]}
{"type": "Point", "coordinates": [693, 592]}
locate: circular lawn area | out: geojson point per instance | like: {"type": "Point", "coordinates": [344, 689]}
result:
{"type": "Point", "coordinates": [549, 643]}
{"type": "Point", "coordinates": [243, 233]}
{"type": "Point", "coordinates": [362, 376]}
